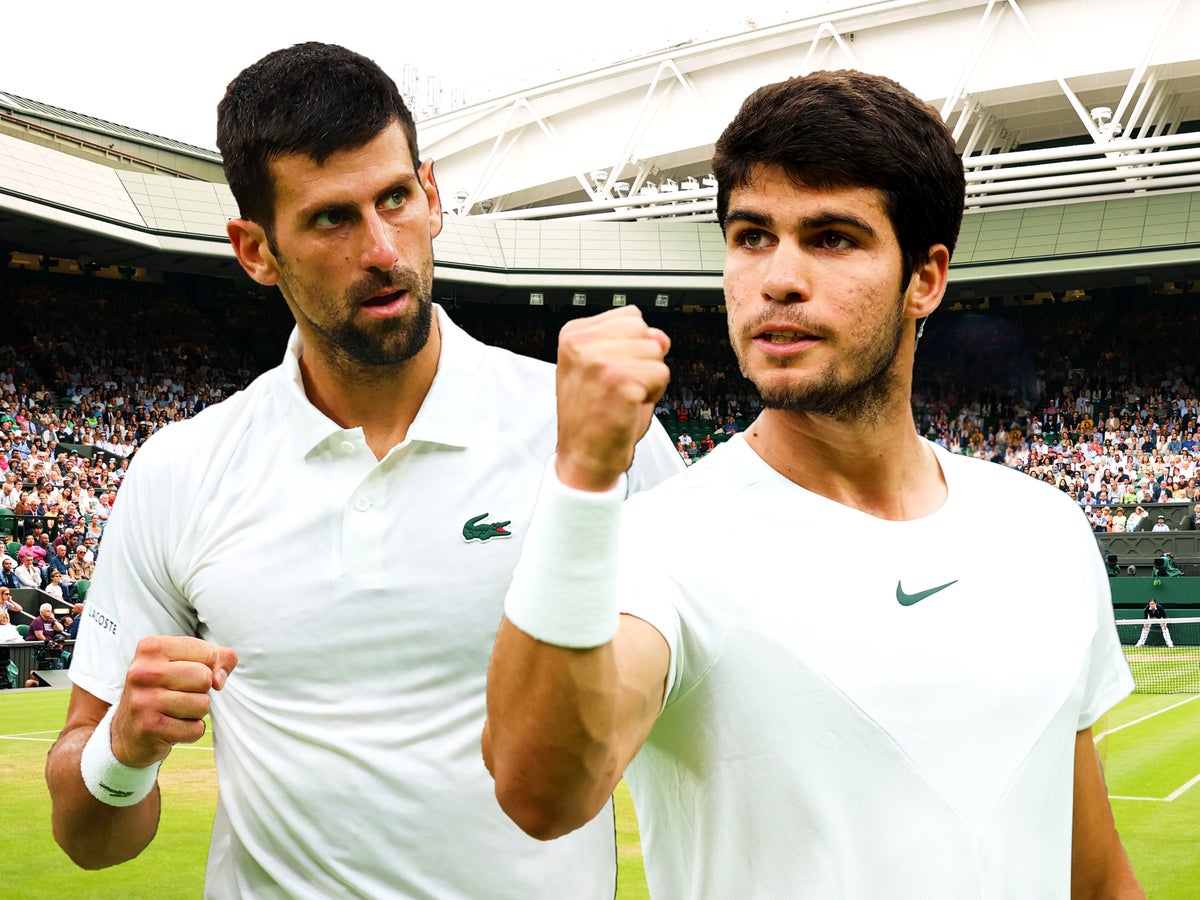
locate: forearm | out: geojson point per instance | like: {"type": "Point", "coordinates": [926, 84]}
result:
{"type": "Point", "coordinates": [551, 739]}
{"type": "Point", "coordinates": [94, 834]}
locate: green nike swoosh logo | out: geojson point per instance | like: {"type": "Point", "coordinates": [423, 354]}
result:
{"type": "Point", "coordinates": [910, 599]}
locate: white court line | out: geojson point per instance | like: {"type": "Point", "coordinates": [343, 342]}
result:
{"type": "Point", "coordinates": [1178, 792]}
{"type": "Point", "coordinates": [1170, 798]}
{"type": "Point", "coordinates": [1104, 734]}
{"type": "Point", "coordinates": [1174, 794]}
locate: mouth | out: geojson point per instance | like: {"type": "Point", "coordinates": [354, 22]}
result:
{"type": "Point", "coordinates": [782, 340]}
{"type": "Point", "coordinates": [387, 303]}
{"type": "Point", "coordinates": [782, 337]}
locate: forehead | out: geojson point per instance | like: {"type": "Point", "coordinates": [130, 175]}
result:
{"type": "Point", "coordinates": [353, 175]}
{"type": "Point", "coordinates": [772, 192]}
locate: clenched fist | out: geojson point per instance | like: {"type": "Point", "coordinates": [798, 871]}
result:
{"type": "Point", "coordinates": [166, 696]}
{"type": "Point", "coordinates": [611, 372]}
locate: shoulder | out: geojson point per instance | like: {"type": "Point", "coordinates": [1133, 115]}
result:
{"type": "Point", "coordinates": [724, 470]}
{"type": "Point", "coordinates": [198, 437]}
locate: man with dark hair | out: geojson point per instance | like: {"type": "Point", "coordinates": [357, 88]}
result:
{"type": "Point", "coordinates": [1151, 612]}
{"type": "Point", "coordinates": [938, 754]}
{"type": "Point", "coordinates": [407, 455]}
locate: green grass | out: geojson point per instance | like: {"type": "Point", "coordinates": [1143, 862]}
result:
{"type": "Point", "coordinates": [1153, 758]}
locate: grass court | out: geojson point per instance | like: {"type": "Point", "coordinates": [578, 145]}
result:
{"type": "Point", "coordinates": [1150, 745]}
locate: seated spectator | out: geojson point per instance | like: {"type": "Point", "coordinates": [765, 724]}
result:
{"type": "Point", "coordinates": [28, 573]}
{"type": "Point", "coordinates": [1161, 524]}
{"type": "Point", "coordinates": [81, 567]}
{"type": "Point", "coordinates": [31, 548]}
{"type": "Point", "coordinates": [44, 626]}
{"type": "Point", "coordinates": [1118, 520]}
{"type": "Point", "coordinates": [8, 573]}
{"type": "Point", "coordinates": [7, 603]}
{"type": "Point", "coordinates": [55, 588]}
{"type": "Point", "coordinates": [71, 625]}
{"type": "Point", "coordinates": [8, 633]}
{"type": "Point", "coordinates": [1136, 518]}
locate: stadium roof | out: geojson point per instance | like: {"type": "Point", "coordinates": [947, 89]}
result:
{"type": "Point", "coordinates": [1078, 121]}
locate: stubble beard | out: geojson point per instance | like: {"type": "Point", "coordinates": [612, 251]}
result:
{"type": "Point", "coordinates": [390, 342]}
{"type": "Point", "coordinates": [861, 396]}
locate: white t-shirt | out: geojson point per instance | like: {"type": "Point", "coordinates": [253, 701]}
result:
{"type": "Point", "coordinates": [859, 707]}
{"type": "Point", "coordinates": [362, 598]}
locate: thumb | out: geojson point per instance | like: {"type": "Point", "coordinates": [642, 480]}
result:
{"type": "Point", "coordinates": [224, 661]}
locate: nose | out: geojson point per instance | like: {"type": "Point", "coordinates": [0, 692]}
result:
{"type": "Point", "coordinates": [379, 251]}
{"type": "Point", "coordinates": [786, 274]}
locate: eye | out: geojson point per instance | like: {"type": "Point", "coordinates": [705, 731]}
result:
{"type": "Point", "coordinates": [752, 239]}
{"type": "Point", "coordinates": [833, 240]}
{"type": "Point", "coordinates": [395, 199]}
{"type": "Point", "coordinates": [329, 218]}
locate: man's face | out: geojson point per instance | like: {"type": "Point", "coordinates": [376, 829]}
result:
{"type": "Point", "coordinates": [817, 313]}
{"type": "Point", "coordinates": [353, 253]}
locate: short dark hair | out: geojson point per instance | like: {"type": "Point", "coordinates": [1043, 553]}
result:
{"type": "Point", "coordinates": [311, 98]}
{"type": "Point", "coordinates": [835, 129]}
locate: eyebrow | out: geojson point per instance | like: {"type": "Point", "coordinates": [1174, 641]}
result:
{"type": "Point", "coordinates": [308, 213]}
{"type": "Point", "coordinates": [807, 223]}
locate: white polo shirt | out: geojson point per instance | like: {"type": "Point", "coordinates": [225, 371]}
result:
{"type": "Point", "coordinates": [348, 738]}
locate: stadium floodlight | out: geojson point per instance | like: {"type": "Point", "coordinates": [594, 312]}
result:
{"type": "Point", "coordinates": [536, 298]}
{"type": "Point", "coordinates": [618, 299]}
{"type": "Point", "coordinates": [709, 180]}
{"type": "Point", "coordinates": [579, 299]}
{"type": "Point", "coordinates": [662, 299]}
{"type": "Point", "coordinates": [621, 188]}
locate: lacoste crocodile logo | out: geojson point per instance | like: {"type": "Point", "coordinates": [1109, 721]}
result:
{"type": "Point", "coordinates": [477, 530]}
{"type": "Point", "coordinates": [911, 599]}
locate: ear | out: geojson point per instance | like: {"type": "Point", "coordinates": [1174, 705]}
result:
{"type": "Point", "coordinates": [249, 242]}
{"type": "Point", "coordinates": [928, 283]}
{"type": "Point", "coordinates": [429, 185]}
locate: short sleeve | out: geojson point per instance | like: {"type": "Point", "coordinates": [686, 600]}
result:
{"type": "Point", "coordinates": [1108, 678]}
{"type": "Point", "coordinates": [132, 594]}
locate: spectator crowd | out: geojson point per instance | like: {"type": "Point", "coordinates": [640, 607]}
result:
{"type": "Point", "coordinates": [1092, 397]}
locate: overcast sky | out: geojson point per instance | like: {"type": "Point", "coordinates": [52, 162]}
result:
{"type": "Point", "coordinates": [162, 66]}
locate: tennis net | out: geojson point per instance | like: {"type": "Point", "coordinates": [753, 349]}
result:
{"type": "Point", "coordinates": [1163, 654]}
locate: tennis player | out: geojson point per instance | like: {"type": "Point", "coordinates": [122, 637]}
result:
{"type": "Point", "coordinates": [385, 473]}
{"type": "Point", "coordinates": [938, 753]}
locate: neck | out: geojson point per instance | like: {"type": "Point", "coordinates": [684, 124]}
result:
{"type": "Point", "coordinates": [883, 468]}
{"type": "Point", "coordinates": [382, 400]}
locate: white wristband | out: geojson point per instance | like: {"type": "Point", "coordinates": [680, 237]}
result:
{"type": "Point", "coordinates": [564, 589]}
{"type": "Point", "coordinates": [107, 778]}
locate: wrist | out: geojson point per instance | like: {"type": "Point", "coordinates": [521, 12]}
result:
{"type": "Point", "coordinates": [586, 473]}
{"type": "Point", "coordinates": [107, 778]}
{"type": "Point", "coordinates": [559, 595]}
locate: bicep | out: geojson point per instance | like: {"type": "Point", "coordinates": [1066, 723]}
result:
{"type": "Point", "coordinates": [643, 662]}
